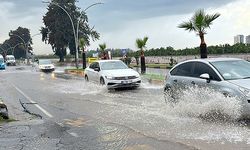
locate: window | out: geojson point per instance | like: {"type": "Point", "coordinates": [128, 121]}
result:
{"type": "Point", "coordinates": [201, 68]}
{"type": "Point", "coordinates": [112, 65]}
{"type": "Point", "coordinates": [94, 65]}
{"type": "Point", "coordinates": [183, 69]}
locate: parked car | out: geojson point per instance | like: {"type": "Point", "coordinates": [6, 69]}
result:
{"type": "Point", "coordinates": [229, 76]}
{"type": "Point", "coordinates": [10, 60]}
{"type": "Point", "coordinates": [2, 64]}
{"type": "Point", "coordinates": [112, 73]}
{"type": "Point", "coordinates": [46, 65]}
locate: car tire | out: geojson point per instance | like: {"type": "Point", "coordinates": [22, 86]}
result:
{"type": "Point", "coordinates": [86, 78]}
{"type": "Point", "coordinates": [102, 82]}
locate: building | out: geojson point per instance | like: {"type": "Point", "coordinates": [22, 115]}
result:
{"type": "Point", "coordinates": [238, 39]}
{"type": "Point", "coordinates": [248, 39]}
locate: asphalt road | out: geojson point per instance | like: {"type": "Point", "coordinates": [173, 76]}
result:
{"type": "Point", "coordinates": [81, 115]}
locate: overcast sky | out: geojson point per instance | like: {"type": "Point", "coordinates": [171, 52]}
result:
{"type": "Point", "coordinates": [120, 22]}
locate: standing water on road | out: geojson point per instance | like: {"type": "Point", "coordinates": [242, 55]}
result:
{"type": "Point", "coordinates": [194, 120]}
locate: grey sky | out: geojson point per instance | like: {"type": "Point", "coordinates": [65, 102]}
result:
{"type": "Point", "coordinates": [120, 22]}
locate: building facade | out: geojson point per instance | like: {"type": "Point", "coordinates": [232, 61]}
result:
{"type": "Point", "coordinates": [248, 39]}
{"type": "Point", "coordinates": [238, 39]}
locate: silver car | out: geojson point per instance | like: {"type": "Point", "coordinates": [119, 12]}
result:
{"type": "Point", "coordinates": [229, 76]}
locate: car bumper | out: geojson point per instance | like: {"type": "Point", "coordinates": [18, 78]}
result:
{"type": "Point", "coordinates": [113, 84]}
{"type": "Point", "coordinates": [11, 63]}
{"type": "Point", "coordinates": [48, 70]}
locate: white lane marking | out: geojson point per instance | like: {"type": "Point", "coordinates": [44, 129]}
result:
{"type": "Point", "coordinates": [73, 134]}
{"type": "Point", "coordinates": [39, 107]}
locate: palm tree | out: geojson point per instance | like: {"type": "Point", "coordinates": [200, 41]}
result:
{"type": "Point", "coordinates": [141, 44]}
{"type": "Point", "coordinates": [102, 48]}
{"type": "Point", "coordinates": [199, 23]}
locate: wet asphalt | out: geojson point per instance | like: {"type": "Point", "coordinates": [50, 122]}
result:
{"type": "Point", "coordinates": [80, 115]}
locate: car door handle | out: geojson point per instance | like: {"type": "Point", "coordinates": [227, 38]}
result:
{"type": "Point", "coordinates": [175, 80]}
{"type": "Point", "coordinates": [193, 82]}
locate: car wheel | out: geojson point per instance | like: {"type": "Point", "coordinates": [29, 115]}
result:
{"type": "Point", "coordinates": [102, 82]}
{"type": "Point", "coordinates": [86, 78]}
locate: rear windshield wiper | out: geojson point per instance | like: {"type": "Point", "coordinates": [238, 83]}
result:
{"type": "Point", "coordinates": [246, 78]}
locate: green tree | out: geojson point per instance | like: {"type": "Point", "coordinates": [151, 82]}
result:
{"type": "Point", "coordinates": [19, 43]}
{"type": "Point", "coordinates": [141, 44]}
{"type": "Point", "coordinates": [102, 49]}
{"type": "Point", "coordinates": [199, 23]}
{"type": "Point", "coordinates": [58, 30]}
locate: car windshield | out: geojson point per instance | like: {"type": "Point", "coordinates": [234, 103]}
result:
{"type": "Point", "coordinates": [44, 62]}
{"type": "Point", "coordinates": [112, 65]}
{"type": "Point", "coordinates": [233, 70]}
{"type": "Point", "coordinates": [10, 58]}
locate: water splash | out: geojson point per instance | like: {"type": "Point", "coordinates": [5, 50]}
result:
{"type": "Point", "coordinates": [206, 103]}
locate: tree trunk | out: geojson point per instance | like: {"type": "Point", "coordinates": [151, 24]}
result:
{"type": "Point", "coordinates": [203, 46]}
{"type": "Point", "coordinates": [203, 50]}
{"type": "Point", "coordinates": [83, 60]}
{"type": "Point", "coordinates": [143, 65]}
{"type": "Point", "coordinates": [61, 58]}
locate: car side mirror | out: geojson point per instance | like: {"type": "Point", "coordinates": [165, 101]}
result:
{"type": "Point", "coordinates": [97, 69]}
{"type": "Point", "coordinates": [205, 76]}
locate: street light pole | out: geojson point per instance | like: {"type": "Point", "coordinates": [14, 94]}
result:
{"type": "Point", "coordinates": [13, 48]}
{"type": "Point", "coordinates": [75, 31]}
{"type": "Point", "coordinates": [25, 45]}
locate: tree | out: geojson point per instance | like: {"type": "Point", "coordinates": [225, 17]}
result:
{"type": "Point", "coordinates": [58, 30]}
{"type": "Point", "coordinates": [18, 44]}
{"type": "Point", "coordinates": [141, 44]}
{"type": "Point", "coordinates": [199, 23]}
{"type": "Point", "coordinates": [102, 49]}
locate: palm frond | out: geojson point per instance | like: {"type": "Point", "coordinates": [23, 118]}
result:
{"type": "Point", "coordinates": [145, 39]}
{"type": "Point", "coordinates": [187, 26]}
{"type": "Point", "coordinates": [102, 46]}
{"type": "Point", "coordinates": [210, 18]}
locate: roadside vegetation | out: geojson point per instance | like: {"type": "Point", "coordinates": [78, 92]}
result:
{"type": "Point", "coordinates": [152, 76]}
{"type": "Point", "coordinates": [160, 66]}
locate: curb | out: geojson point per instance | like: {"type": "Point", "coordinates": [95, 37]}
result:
{"type": "Point", "coordinates": [75, 72]}
{"type": "Point", "coordinates": [154, 81]}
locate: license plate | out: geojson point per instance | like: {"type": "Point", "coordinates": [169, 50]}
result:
{"type": "Point", "coordinates": [126, 81]}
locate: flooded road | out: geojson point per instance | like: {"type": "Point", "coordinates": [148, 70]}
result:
{"type": "Point", "coordinates": [143, 111]}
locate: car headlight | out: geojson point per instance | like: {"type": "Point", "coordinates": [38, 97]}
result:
{"type": "Point", "coordinates": [110, 78]}
{"type": "Point", "coordinates": [245, 91]}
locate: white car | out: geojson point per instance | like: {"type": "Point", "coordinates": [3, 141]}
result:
{"type": "Point", "coordinates": [112, 73]}
{"type": "Point", "coordinates": [10, 60]}
{"type": "Point", "coordinates": [46, 65]}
